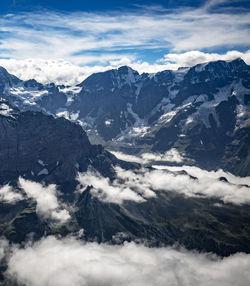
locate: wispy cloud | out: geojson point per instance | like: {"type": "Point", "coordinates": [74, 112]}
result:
{"type": "Point", "coordinates": [139, 38]}
{"type": "Point", "coordinates": [71, 35]}
{"type": "Point", "coordinates": [142, 184]}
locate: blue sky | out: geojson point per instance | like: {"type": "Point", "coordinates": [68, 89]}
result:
{"type": "Point", "coordinates": [96, 35]}
{"type": "Point", "coordinates": [77, 5]}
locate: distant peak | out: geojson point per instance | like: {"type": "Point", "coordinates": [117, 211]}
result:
{"type": "Point", "coordinates": [126, 69]}
{"type": "Point", "coordinates": [3, 70]}
{"type": "Point", "coordinates": [7, 78]}
{"type": "Point", "coordinates": [239, 61]}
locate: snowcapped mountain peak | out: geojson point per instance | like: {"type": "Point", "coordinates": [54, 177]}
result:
{"type": "Point", "coordinates": [110, 80]}
{"type": "Point", "coordinates": [128, 74]}
{"type": "Point", "coordinates": [125, 76]}
{"type": "Point", "coordinates": [32, 83]}
{"type": "Point", "coordinates": [7, 79]}
{"type": "Point", "coordinates": [238, 61]}
{"type": "Point", "coordinates": [126, 70]}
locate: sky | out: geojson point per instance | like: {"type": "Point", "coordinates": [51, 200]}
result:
{"type": "Point", "coordinates": [10, 6]}
{"type": "Point", "coordinates": [65, 41]}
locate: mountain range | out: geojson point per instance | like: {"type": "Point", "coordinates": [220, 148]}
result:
{"type": "Point", "coordinates": [202, 111]}
{"type": "Point", "coordinates": [65, 136]}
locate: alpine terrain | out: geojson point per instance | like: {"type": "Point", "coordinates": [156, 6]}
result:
{"type": "Point", "coordinates": [162, 158]}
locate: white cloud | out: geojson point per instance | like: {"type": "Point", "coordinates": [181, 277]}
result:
{"type": "Point", "coordinates": [4, 247]}
{"type": "Point", "coordinates": [181, 29]}
{"type": "Point", "coordinates": [9, 195]}
{"type": "Point", "coordinates": [127, 157]}
{"type": "Point", "coordinates": [71, 262]}
{"type": "Point", "coordinates": [122, 189]}
{"type": "Point", "coordinates": [140, 185]}
{"type": "Point", "coordinates": [171, 155]}
{"type": "Point", "coordinates": [45, 71]}
{"type": "Point", "coordinates": [51, 46]}
{"type": "Point", "coordinates": [202, 174]}
{"type": "Point", "coordinates": [192, 58]}
{"type": "Point", "coordinates": [208, 187]}
{"type": "Point", "coordinates": [48, 206]}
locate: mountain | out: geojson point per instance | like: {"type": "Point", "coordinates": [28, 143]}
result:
{"type": "Point", "coordinates": [211, 122]}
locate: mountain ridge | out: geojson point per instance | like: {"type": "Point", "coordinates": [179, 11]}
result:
{"type": "Point", "coordinates": [127, 111]}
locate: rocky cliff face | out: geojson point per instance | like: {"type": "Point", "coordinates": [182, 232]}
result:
{"type": "Point", "coordinates": [42, 148]}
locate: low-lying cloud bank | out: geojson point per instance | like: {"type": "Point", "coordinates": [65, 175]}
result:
{"type": "Point", "coordinates": [202, 174]}
{"type": "Point", "coordinates": [59, 71]}
{"type": "Point", "coordinates": [68, 261]}
{"type": "Point", "coordinates": [125, 188]}
{"type": "Point", "coordinates": [192, 58]}
{"type": "Point", "coordinates": [140, 185]}
{"type": "Point", "coordinates": [137, 185]}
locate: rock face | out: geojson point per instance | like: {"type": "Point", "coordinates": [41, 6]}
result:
{"type": "Point", "coordinates": [40, 147]}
